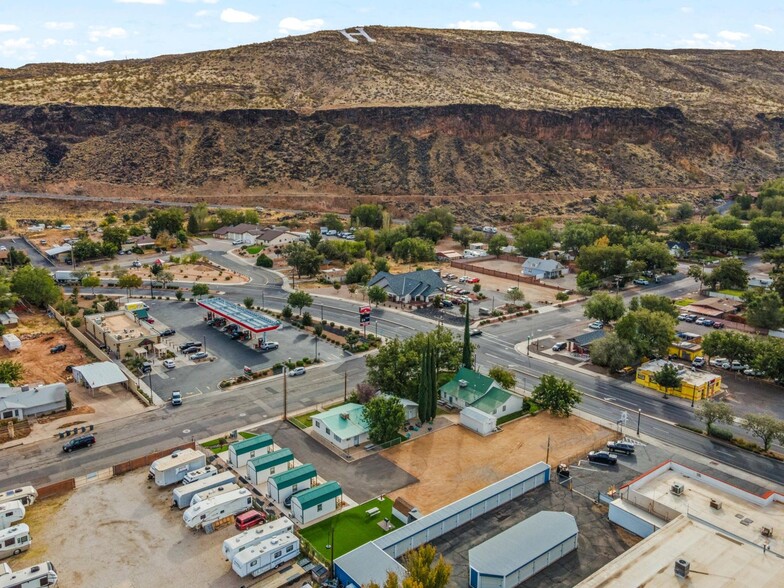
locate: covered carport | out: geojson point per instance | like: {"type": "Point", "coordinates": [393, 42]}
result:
{"type": "Point", "coordinates": [254, 325]}
{"type": "Point", "coordinates": [98, 375]}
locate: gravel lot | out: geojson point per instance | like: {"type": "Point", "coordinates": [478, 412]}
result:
{"type": "Point", "coordinates": [122, 534]}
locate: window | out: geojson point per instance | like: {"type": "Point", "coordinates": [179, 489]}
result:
{"type": "Point", "coordinates": [328, 431]}
{"type": "Point", "coordinates": [319, 507]}
{"type": "Point", "coordinates": [503, 409]}
{"type": "Point", "coordinates": [252, 455]}
{"type": "Point", "coordinates": [277, 554]}
{"type": "Point", "coordinates": [8, 543]}
{"type": "Point", "coordinates": [336, 437]}
{"type": "Point", "coordinates": [289, 548]}
{"type": "Point", "coordinates": [317, 423]}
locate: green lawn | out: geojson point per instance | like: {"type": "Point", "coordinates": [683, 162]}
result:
{"type": "Point", "coordinates": [254, 249]}
{"type": "Point", "coordinates": [352, 528]}
{"type": "Point", "coordinates": [684, 302]}
{"type": "Point", "coordinates": [215, 445]}
{"type": "Point", "coordinates": [303, 421]}
{"type": "Point", "coordinates": [737, 293]}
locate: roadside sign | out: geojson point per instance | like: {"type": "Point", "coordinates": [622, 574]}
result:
{"type": "Point", "coordinates": [364, 315]}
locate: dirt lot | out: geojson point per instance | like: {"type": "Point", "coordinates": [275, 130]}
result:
{"type": "Point", "coordinates": [192, 272]}
{"type": "Point", "coordinates": [494, 285]}
{"type": "Point", "coordinates": [464, 462]}
{"type": "Point", "coordinates": [40, 366]}
{"type": "Point", "coordinates": [122, 534]}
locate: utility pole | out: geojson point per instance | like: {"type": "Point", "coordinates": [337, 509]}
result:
{"type": "Point", "coordinates": [639, 416]}
{"type": "Point", "coordinates": [322, 313]}
{"type": "Point", "coordinates": [547, 459]}
{"type": "Point", "coordinates": [262, 299]}
{"type": "Point", "coordinates": [345, 386]}
{"type": "Point", "coordinates": [285, 395]}
{"type": "Point", "coordinates": [317, 339]}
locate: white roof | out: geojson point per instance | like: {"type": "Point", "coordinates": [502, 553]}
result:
{"type": "Point", "coordinates": [103, 373]}
{"type": "Point", "coordinates": [59, 249]}
{"type": "Point", "coordinates": [34, 396]}
{"type": "Point", "coordinates": [478, 415]}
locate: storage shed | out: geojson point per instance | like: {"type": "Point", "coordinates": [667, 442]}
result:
{"type": "Point", "coordinates": [262, 467]}
{"type": "Point", "coordinates": [241, 451]}
{"type": "Point", "coordinates": [309, 505]}
{"type": "Point", "coordinates": [511, 557]}
{"type": "Point", "coordinates": [11, 342]}
{"type": "Point", "coordinates": [477, 420]}
{"type": "Point", "coordinates": [281, 486]}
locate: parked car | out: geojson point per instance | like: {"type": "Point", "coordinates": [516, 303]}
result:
{"type": "Point", "coordinates": [707, 322]}
{"type": "Point", "coordinates": [136, 263]}
{"type": "Point", "coordinates": [620, 447]}
{"type": "Point", "coordinates": [149, 320]}
{"type": "Point", "coordinates": [198, 356]}
{"type": "Point", "coordinates": [268, 346]}
{"type": "Point", "coordinates": [698, 362]}
{"type": "Point", "coordinates": [641, 282]}
{"type": "Point", "coordinates": [462, 279]}
{"type": "Point", "coordinates": [79, 443]}
{"type": "Point", "coordinates": [559, 346]}
{"type": "Point", "coordinates": [58, 348]}
{"type": "Point", "coordinates": [604, 457]}
{"type": "Point", "coordinates": [447, 303]}
{"type": "Point", "coordinates": [249, 519]}
{"type": "Point", "coordinates": [682, 317]}
{"type": "Point", "coordinates": [189, 345]}
{"type": "Point", "coordinates": [721, 362]}
{"type": "Point", "coordinates": [146, 367]}
{"type": "Point", "coordinates": [738, 366]}
{"type": "Point", "coordinates": [176, 398]}
{"type": "Point", "coordinates": [718, 325]}
{"type": "Point", "coordinates": [690, 318]}
{"type": "Point", "coordinates": [596, 325]}
{"type": "Point", "coordinates": [754, 373]}
{"type": "Point", "coordinates": [475, 332]}
{"type": "Point", "coordinates": [472, 281]}
{"type": "Point", "coordinates": [237, 242]}
{"type": "Point", "coordinates": [168, 332]}
{"type": "Point", "coordinates": [168, 364]}
{"type": "Point", "coordinates": [297, 371]}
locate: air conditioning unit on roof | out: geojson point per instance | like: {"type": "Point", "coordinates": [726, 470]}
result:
{"type": "Point", "coordinates": [462, 383]}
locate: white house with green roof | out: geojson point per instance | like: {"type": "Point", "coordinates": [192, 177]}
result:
{"type": "Point", "coordinates": [466, 388]}
{"type": "Point", "coordinates": [499, 402]}
{"type": "Point", "coordinates": [343, 426]}
{"type": "Point", "coordinates": [262, 467]}
{"type": "Point", "coordinates": [282, 485]}
{"type": "Point", "coordinates": [476, 395]}
{"type": "Point", "coordinates": [309, 505]}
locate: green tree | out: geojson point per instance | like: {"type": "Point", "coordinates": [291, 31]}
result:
{"type": "Point", "coordinates": [557, 395]}
{"type": "Point", "coordinates": [169, 220]}
{"type": "Point", "coordinates": [314, 238]}
{"type": "Point", "coordinates": [427, 398]}
{"type": "Point", "coordinates": [91, 282]}
{"type": "Point", "coordinates": [263, 261]}
{"type": "Point", "coordinates": [505, 378]}
{"type": "Point", "coordinates": [603, 260]}
{"type": "Point", "coordinates": [683, 212]}
{"type": "Point", "coordinates": [128, 282]}
{"type": "Point", "coordinates": [655, 256]}
{"type": "Point", "coordinates": [532, 242]}
{"type": "Point", "coordinates": [413, 249]}
{"type": "Point", "coordinates": [368, 215]}
{"type": "Point", "coordinates": [711, 412]}
{"type": "Point", "coordinates": [729, 274]}
{"type": "Point", "coordinates": [763, 309]}
{"type": "Point", "coordinates": [604, 307]}
{"type": "Point", "coordinates": [286, 313]}
{"type": "Point", "coordinates": [649, 333]}
{"type": "Point", "coordinates": [776, 257]}
{"type": "Point", "coordinates": [165, 277]}
{"type": "Point", "coordinates": [332, 222]}
{"type": "Point", "coordinates": [656, 303]}
{"type": "Point", "coordinates": [582, 233]}
{"type": "Point", "coordinates": [514, 295]}
{"type": "Point", "coordinates": [612, 352]}
{"type": "Point", "coordinates": [667, 377]}
{"type": "Point", "coordinates": [769, 357]}
{"type": "Point", "coordinates": [17, 258]}
{"type": "Point", "coordinates": [304, 259]}
{"type": "Point", "coordinates": [115, 235]}
{"type": "Point", "coordinates": [466, 236]}
{"type": "Point", "coordinates": [35, 285]}
{"type": "Point", "coordinates": [768, 231]}
{"type": "Point", "coordinates": [385, 417]}
{"type": "Point", "coordinates": [764, 426]}
{"type": "Point", "coordinates": [497, 243]}
{"type": "Point", "coordinates": [696, 272]}
{"type": "Point", "coordinates": [730, 344]}
{"type": "Point", "coordinates": [200, 289]}
{"type": "Point", "coordinates": [10, 371]}
{"type": "Point", "coordinates": [377, 295]}
{"type": "Point", "coordinates": [359, 273]}
{"type": "Point", "coordinates": [381, 264]}
{"type": "Point", "coordinates": [248, 302]}
{"type": "Point", "coordinates": [587, 281]}
{"type": "Point", "coordinates": [299, 299]}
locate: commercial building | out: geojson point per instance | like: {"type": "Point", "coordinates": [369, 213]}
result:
{"type": "Point", "coordinates": [513, 556]}
{"type": "Point", "coordinates": [418, 286]}
{"type": "Point", "coordinates": [694, 384]}
{"type": "Point", "coordinates": [312, 504]}
{"type": "Point", "coordinates": [581, 344]}
{"type": "Point", "coordinates": [261, 468]}
{"type": "Point", "coordinates": [281, 486]}
{"type": "Point", "coordinates": [713, 307]}
{"type": "Point", "coordinates": [242, 451]}
{"type": "Point", "coordinates": [27, 401]}
{"type": "Point", "coordinates": [255, 325]}
{"type": "Point", "coordinates": [121, 332]}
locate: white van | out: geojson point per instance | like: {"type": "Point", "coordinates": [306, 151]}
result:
{"type": "Point", "coordinates": [42, 574]}
{"type": "Point", "coordinates": [200, 474]}
{"type": "Point", "coordinates": [14, 540]}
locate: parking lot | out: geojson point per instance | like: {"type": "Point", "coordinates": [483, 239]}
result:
{"type": "Point", "coordinates": [230, 356]}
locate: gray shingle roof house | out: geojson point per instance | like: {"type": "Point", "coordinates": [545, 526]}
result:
{"type": "Point", "coordinates": [543, 268]}
{"type": "Point", "coordinates": [27, 401]}
{"type": "Point", "coordinates": [421, 285]}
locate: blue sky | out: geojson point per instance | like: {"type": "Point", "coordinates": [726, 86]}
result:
{"type": "Point", "coordinates": [100, 30]}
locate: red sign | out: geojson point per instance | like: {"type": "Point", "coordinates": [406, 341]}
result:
{"type": "Point", "coordinates": [364, 310]}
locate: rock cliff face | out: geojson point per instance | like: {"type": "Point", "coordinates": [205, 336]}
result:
{"type": "Point", "coordinates": [418, 112]}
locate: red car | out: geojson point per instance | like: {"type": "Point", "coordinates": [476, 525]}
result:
{"type": "Point", "coordinates": [472, 280]}
{"type": "Point", "coordinates": [718, 325]}
{"type": "Point", "coordinates": [150, 320]}
{"type": "Point", "coordinates": [249, 519]}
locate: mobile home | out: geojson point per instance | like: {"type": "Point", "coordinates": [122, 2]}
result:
{"type": "Point", "coordinates": [241, 451]}
{"type": "Point", "coordinates": [316, 502]}
{"type": "Point", "coordinates": [183, 495]}
{"type": "Point", "coordinates": [26, 495]}
{"type": "Point", "coordinates": [261, 468]}
{"type": "Point", "coordinates": [14, 540]}
{"type": "Point", "coordinates": [212, 492]}
{"type": "Point", "coordinates": [233, 545]}
{"type": "Point", "coordinates": [281, 486]}
{"type": "Point", "coordinates": [265, 556]}
{"type": "Point", "coordinates": [200, 474]}
{"type": "Point", "coordinates": [218, 507]}
{"type": "Point", "coordinates": [172, 468]}
{"type": "Point", "coordinates": [42, 574]}
{"type": "Point", "coordinates": [11, 513]}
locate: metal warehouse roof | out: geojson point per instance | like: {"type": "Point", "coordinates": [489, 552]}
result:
{"type": "Point", "coordinates": [247, 319]}
{"type": "Point", "coordinates": [368, 564]}
{"type": "Point", "coordinates": [271, 459]}
{"type": "Point", "coordinates": [102, 373]}
{"type": "Point", "coordinates": [318, 494]}
{"type": "Point", "coordinates": [251, 443]}
{"type": "Point", "coordinates": [518, 546]}
{"type": "Point", "coordinates": [293, 476]}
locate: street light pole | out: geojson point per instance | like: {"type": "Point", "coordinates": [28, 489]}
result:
{"type": "Point", "coordinates": [692, 396]}
{"type": "Point", "coordinates": [285, 394]}
{"type": "Point", "coordinates": [317, 340]}
{"type": "Point", "coordinates": [262, 299]}
{"type": "Point", "coordinates": [639, 416]}
{"type": "Point", "coordinates": [149, 381]}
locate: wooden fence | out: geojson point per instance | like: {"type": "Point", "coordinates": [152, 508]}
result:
{"type": "Point", "coordinates": [57, 488]}
{"type": "Point", "coordinates": [475, 266]}
{"type": "Point", "coordinates": [139, 462]}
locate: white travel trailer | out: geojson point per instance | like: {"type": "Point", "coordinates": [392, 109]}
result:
{"type": "Point", "coordinates": [42, 574]}
{"type": "Point", "coordinates": [11, 513]}
{"type": "Point", "coordinates": [172, 468]}
{"type": "Point", "coordinates": [216, 508]}
{"type": "Point", "coordinates": [247, 539]}
{"type": "Point", "coordinates": [14, 540]}
{"type": "Point", "coordinates": [200, 474]}
{"type": "Point", "coordinates": [183, 495]}
{"type": "Point", "coordinates": [207, 494]}
{"type": "Point", "coordinates": [265, 556]}
{"type": "Point", "coordinates": [26, 495]}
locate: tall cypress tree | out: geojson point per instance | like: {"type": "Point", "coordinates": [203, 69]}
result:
{"type": "Point", "coordinates": [433, 405]}
{"type": "Point", "coordinates": [424, 387]}
{"type": "Point", "coordinates": [467, 360]}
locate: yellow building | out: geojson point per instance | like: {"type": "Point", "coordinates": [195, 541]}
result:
{"type": "Point", "coordinates": [694, 384]}
{"type": "Point", "coordinates": [686, 350]}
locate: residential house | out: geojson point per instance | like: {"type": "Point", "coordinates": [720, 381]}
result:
{"type": "Point", "coordinates": [221, 233]}
{"type": "Point", "coordinates": [713, 307]}
{"type": "Point", "coordinates": [470, 388]}
{"type": "Point", "coordinates": [543, 269]}
{"type": "Point", "coordinates": [5, 256]}
{"type": "Point", "coordinates": [26, 401]}
{"type": "Point", "coordinates": [581, 343]}
{"type": "Point", "coordinates": [695, 385]}
{"type": "Point", "coordinates": [420, 286]}
{"type": "Point", "coordinates": [343, 426]}
{"type": "Point", "coordinates": [678, 249]}
{"type": "Point", "coordinates": [276, 238]}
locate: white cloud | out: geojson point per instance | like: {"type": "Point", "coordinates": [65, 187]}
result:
{"type": "Point", "coordinates": [8, 28]}
{"type": "Point", "coordinates": [237, 16]}
{"type": "Point", "coordinates": [732, 35]}
{"type": "Point", "coordinates": [46, 43]}
{"type": "Point", "coordinates": [602, 45]}
{"type": "Point", "coordinates": [577, 33]}
{"type": "Point", "coordinates": [202, 1]}
{"type": "Point", "coordinates": [553, 31]}
{"type": "Point", "coordinates": [97, 33]}
{"type": "Point", "coordinates": [763, 28]}
{"type": "Point", "coordinates": [103, 52]}
{"type": "Point", "coordinates": [289, 24]}
{"type": "Point", "coordinates": [476, 5]}
{"type": "Point", "coordinates": [700, 36]}
{"type": "Point", "coordinates": [11, 47]}
{"type": "Point", "coordinates": [80, 58]}
{"type": "Point", "coordinates": [522, 25]}
{"type": "Point", "coordinates": [477, 25]}
{"type": "Point", "coordinates": [201, 13]}
{"type": "Point", "coordinates": [70, 43]}
{"type": "Point", "coordinates": [58, 26]}
{"type": "Point", "coordinates": [140, 1]}
{"type": "Point", "coordinates": [687, 9]}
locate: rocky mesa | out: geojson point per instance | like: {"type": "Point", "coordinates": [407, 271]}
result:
{"type": "Point", "coordinates": [416, 112]}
